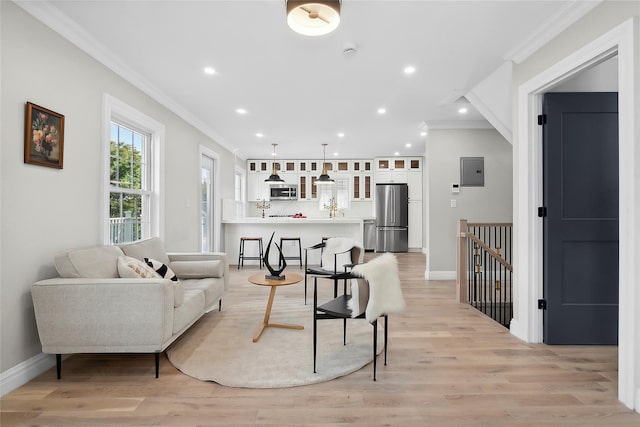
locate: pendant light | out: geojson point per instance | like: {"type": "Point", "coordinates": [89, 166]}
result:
{"type": "Point", "coordinates": [324, 177]}
{"type": "Point", "coordinates": [313, 17]}
{"type": "Point", "coordinates": [274, 178]}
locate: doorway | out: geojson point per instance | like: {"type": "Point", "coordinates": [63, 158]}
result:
{"type": "Point", "coordinates": [527, 323]}
{"type": "Point", "coordinates": [209, 209]}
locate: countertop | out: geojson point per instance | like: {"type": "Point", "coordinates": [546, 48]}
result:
{"type": "Point", "coordinates": [289, 220]}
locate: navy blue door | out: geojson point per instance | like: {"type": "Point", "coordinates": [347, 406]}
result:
{"type": "Point", "coordinates": [580, 156]}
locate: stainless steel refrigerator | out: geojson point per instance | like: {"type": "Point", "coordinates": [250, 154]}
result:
{"type": "Point", "coordinates": [392, 218]}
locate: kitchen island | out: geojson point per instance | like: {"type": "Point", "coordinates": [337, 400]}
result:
{"type": "Point", "coordinates": [310, 231]}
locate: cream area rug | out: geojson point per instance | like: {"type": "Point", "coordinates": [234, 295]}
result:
{"type": "Point", "coordinates": [220, 347]}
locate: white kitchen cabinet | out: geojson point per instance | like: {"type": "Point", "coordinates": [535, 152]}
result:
{"type": "Point", "coordinates": [414, 163]}
{"type": "Point", "coordinates": [414, 181]}
{"type": "Point", "coordinates": [258, 166]}
{"type": "Point", "coordinates": [257, 189]}
{"type": "Point", "coordinates": [310, 166]}
{"type": "Point", "coordinates": [392, 176]}
{"type": "Point", "coordinates": [307, 188]}
{"type": "Point", "coordinates": [415, 224]}
{"type": "Point", "coordinates": [341, 166]}
{"type": "Point", "coordinates": [362, 166]}
{"type": "Point", "coordinates": [361, 186]}
{"type": "Point", "coordinates": [391, 164]}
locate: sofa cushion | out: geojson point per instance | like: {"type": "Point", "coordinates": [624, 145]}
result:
{"type": "Point", "coordinates": [98, 262]}
{"type": "Point", "coordinates": [162, 269]}
{"type": "Point", "coordinates": [133, 268]}
{"type": "Point", "coordinates": [213, 289]}
{"type": "Point", "coordinates": [189, 312]}
{"type": "Point", "coordinates": [147, 248]}
{"type": "Point", "coordinates": [198, 269]}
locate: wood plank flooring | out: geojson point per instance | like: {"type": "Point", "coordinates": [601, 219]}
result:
{"type": "Point", "coordinates": [449, 365]}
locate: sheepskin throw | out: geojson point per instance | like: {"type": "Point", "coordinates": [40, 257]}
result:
{"type": "Point", "coordinates": [336, 245]}
{"type": "Point", "coordinates": [385, 293]}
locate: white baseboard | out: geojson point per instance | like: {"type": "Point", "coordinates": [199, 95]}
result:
{"type": "Point", "coordinates": [515, 329]}
{"type": "Point", "coordinates": [440, 275]}
{"type": "Point", "coordinates": [24, 372]}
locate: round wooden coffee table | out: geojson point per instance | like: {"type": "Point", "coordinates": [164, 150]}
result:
{"type": "Point", "coordinates": [259, 279]}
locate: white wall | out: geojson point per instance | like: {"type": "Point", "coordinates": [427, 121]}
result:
{"type": "Point", "coordinates": [46, 210]}
{"type": "Point", "coordinates": [602, 77]}
{"type": "Point", "coordinates": [491, 203]}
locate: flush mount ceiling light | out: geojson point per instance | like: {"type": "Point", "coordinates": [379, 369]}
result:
{"type": "Point", "coordinates": [274, 178]}
{"type": "Point", "coordinates": [313, 17]}
{"type": "Point", "coordinates": [324, 177]}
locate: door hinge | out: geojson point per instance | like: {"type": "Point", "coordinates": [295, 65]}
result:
{"type": "Point", "coordinates": [542, 119]}
{"type": "Point", "coordinates": [542, 211]}
{"type": "Point", "coordinates": [542, 304]}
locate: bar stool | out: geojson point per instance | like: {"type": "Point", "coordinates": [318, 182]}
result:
{"type": "Point", "coordinates": [241, 255]}
{"type": "Point", "coordinates": [292, 239]}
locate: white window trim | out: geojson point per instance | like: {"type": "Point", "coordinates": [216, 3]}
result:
{"type": "Point", "coordinates": [114, 109]}
{"type": "Point", "coordinates": [217, 200]}
{"type": "Point", "coordinates": [241, 209]}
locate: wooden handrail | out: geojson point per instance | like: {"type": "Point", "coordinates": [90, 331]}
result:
{"type": "Point", "coordinates": [490, 251]}
{"type": "Point", "coordinates": [464, 233]}
{"type": "Point", "coordinates": [489, 224]}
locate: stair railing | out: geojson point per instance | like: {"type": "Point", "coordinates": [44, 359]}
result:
{"type": "Point", "coordinates": [484, 271]}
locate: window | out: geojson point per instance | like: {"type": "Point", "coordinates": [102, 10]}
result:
{"type": "Point", "coordinates": [210, 200]}
{"type": "Point", "coordinates": [129, 186]}
{"type": "Point", "coordinates": [239, 192]}
{"type": "Point", "coordinates": [132, 174]}
{"type": "Point", "coordinates": [342, 193]}
{"type": "Point", "coordinates": [207, 165]}
{"type": "Point", "coordinates": [337, 193]}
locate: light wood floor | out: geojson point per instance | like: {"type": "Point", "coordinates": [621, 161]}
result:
{"type": "Point", "coordinates": [448, 366]}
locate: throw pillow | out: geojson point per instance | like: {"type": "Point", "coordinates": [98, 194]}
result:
{"type": "Point", "coordinates": [162, 269]}
{"type": "Point", "coordinates": [132, 268]}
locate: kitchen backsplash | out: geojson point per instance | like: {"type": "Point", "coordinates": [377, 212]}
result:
{"type": "Point", "coordinates": [358, 209]}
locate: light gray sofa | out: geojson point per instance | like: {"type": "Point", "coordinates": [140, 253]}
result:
{"type": "Point", "coordinates": [91, 308]}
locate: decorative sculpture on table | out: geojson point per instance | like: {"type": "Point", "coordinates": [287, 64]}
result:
{"type": "Point", "coordinates": [275, 274]}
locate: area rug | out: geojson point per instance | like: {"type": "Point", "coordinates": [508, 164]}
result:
{"type": "Point", "coordinates": [220, 347]}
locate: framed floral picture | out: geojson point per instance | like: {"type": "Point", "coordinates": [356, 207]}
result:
{"type": "Point", "coordinates": [44, 137]}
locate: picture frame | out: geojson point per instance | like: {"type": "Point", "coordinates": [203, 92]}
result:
{"type": "Point", "coordinates": [44, 137]}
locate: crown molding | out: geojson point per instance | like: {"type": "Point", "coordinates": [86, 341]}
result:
{"type": "Point", "coordinates": [564, 18]}
{"type": "Point", "coordinates": [59, 22]}
{"type": "Point", "coordinates": [458, 124]}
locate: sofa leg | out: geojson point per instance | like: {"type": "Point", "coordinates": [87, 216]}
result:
{"type": "Point", "coordinates": [220, 305]}
{"type": "Point", "coordinates": [58, 365]}
{"type": "Point", "coordinates": [157, 356]}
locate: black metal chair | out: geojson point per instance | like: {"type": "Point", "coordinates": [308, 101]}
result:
{"type": "Point", "coordinates": [353, 254]}
{"type": "Point", "coordinates": [338, 308]}
{"type": "Point", "coordinates": [375, 292]}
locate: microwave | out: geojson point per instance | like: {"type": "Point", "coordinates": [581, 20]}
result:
{"type": "Point", "coordinates": [283, 192]}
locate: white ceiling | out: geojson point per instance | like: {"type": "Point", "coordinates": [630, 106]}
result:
{"type": "Point", "coordinates": [302, 91]}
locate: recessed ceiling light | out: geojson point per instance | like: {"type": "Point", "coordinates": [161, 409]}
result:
{"type": "Point", "coordinates": [409, 69]}
{"type": "Point", "coordinates": [241, 111]}
{"type": "Point", "coordinates": [408, 145]}
{"type": "Point", "coordinates": [462, 110]}
{"type": "Point", "coordinates": [335, 154]}
{"type": "Point", "coordinates": [396, 154]}
{"type": "Point", "coordinates": [259, 134]}
{"type": "Point", "coordinates": [341, 135]}
{"type": "Point", "coordinates": [209, 70]}
{"type": "Point", "coordinates": [423, 133]}
{"type": "Point", "coordinates": [382, 110]}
